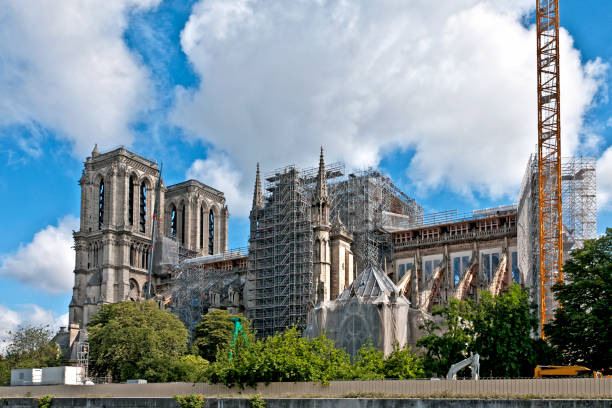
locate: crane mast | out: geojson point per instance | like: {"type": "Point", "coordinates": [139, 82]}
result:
{"type": "Point", "coordinates": [549, 156]}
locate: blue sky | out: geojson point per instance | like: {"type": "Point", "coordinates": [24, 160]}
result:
{"type": "Point", "coordinates": [442, 98]}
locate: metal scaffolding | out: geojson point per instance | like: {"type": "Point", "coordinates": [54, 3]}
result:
{"type": "Point", "coordinates": [364, 201]}
{"type": "Point", "coordinates": [195, 279]}
{"type": "Point", "coordinates": [280, 254]}
{"type": "Point", "coordinates": [281, 242]}
{"type": "Point", "coordinates": [578, 186]}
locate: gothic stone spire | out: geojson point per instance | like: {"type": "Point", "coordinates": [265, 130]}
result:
{"type": "Point", "coordinates": [320, 198]}
{"type": "Point", "coordinates": [257, 195]}
{"type": "Point", "coordinates": [321, 192]}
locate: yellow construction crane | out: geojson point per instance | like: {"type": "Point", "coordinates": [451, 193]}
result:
{"type": "Point", "coordinates": [549, 156]}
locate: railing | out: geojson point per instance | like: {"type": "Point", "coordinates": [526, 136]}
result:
{"type": "Point", "coordinates": [415, 242]}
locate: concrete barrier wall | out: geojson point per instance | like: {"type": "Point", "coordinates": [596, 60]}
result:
{"type": "Point", "coordinates": [310, 403]}
{"type": "Point", "coordinates": [570, 387]}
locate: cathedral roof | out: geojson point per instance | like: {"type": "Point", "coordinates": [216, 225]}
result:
{"type": "Point", "coordinates": [373, 286]}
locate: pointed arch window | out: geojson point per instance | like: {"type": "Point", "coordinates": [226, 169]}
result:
{"type": "Point", "coordinates": [101, 204]}
{"type": "Point", "coordinates": [173, 221]}
{"type": "Point", "coordinates": [201, 227]}
{"type": "Point", "coordinates": [143, 206]}
{"type": "Point", "coordinates": [183, 225]}
{"type": "Point", "coordinates": [211, 232]}
{"type": "Point", "coordinates": [131, 201]}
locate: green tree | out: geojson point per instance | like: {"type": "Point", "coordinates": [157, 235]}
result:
{"type": "Point", "coordinates": [449, 336]}
{"type": "Point", "coordinates": [499, 328]}
{"type": "Point", "coordinates": [214, 331]}
{"type": "Point", "coordinates": [582, 328]}
{"type": "Point", "coordinates": [403, 364]}
{"type": "Point", "coordinates": [32, 347]}
{"type": "Point", "coordinates": [5, 372]}
{"type": "Point", "coordinates": [29, 347]}
{"type": "Point", "coordinates": [285, 356]}
{"type": "Point", "coordinates": [189, 368]}
{"type": "Point", "coordinates": [504, 328]}
{"type": "Point", "coordinates": [135, 340]}
{"type": "Point", "coordinates": [369, 363]}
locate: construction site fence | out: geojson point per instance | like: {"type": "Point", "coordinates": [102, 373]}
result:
{"type": "Point", "coordinates": [538, 388]}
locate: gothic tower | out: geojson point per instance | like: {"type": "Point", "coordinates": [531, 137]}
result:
{"type": "Point", "coordinates": [113, 242]}
{"type": "Point", "coordinates": [321, 264]}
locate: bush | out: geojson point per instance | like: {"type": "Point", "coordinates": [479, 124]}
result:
{"type": "Point", "coordinates": [403, 364]}
{"type": "Point", "coordinates": [44, 401]}
{"type": "Point", "coordinates": [283, 357]}
{"type": "Point", "coordinates": [190, 401]}
{"type": "Point", "coordinates": [257, 402]}
{"type": "Point", "coordinates": [369, 364]}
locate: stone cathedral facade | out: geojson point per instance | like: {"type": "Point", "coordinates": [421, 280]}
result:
{"type": "Point", "coordinates": [113, 244]}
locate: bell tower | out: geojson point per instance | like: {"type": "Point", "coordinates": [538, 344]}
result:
{"type": "Point", "coordinates": [114, 240]}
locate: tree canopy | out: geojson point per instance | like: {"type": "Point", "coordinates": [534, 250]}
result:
{"type": "Point", "coordinates": [214, 330]}
{"type": "Point", "coordinates": [582, 328]}
{"type": "Point", "coordinates": [135, 340]}
{"type": "Point", "coordinates": [498, 328]}
{"type": "Point", "coordinates": [28, 347]}
{"type": "Point", "coordinates": [288, 356]}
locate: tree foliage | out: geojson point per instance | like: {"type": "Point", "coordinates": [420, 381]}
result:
{"type": "Point", "coordinates": [29, 347]}
{"type": "Point", "coordinates": [285, 356]}
{"type": "Point", "coordinates": [136, 340]}
{"type": "Point", "coordinates": [403, 364]}
{"type": "Point", "coordinates": [449, 336]}
{"type": "Point", "coordinates": [500, 329]}
{"type": "Point", "coordinates": [214, 330]}
{"type": "Point", "coordinates": [288, 356]}
{"type": "Point", "coordinates": [582, 328]}
{"type": "Point", "coordinates": [504, 329]}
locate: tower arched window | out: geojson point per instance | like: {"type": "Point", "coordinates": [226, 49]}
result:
{"type": "Point", "coordinates": [173, 221]}
{"type": "Point", "coordinates": [201, 227]}
{"type": "Point", "coordinates": [143, 206]}
{"type": "Point", "coordinates": [183, 225]}
{"type": "Point", "coordinates": [101, 204]}
{"type": "Point", "coordinates": [131, 201]}
{"type": "Point", "coordinates": [211, 232]}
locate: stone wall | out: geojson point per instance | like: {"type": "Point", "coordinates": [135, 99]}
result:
{"type": "Point", "coordinates": [309, 403]}
{"type": "Point", "coordinates": [541, 388]}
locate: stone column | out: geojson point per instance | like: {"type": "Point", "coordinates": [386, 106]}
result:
{"type": "Point", "coordinates": [448, 274]}
{"type": "Point", "coordinates": [112, 197]}
{"type": "Point", "coordinates": [188, 226]}
{"type": "Point", "coordinates": [226, 215]}
{"type": "Point", "coordinates": [417, 278]}
{"type": "Point", "coordinates": [108, 272]}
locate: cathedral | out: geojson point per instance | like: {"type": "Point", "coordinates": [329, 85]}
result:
{"type": "Point", "coordinates": [346, 253]}
{"type": "Point", "coordinates": [121, 193]}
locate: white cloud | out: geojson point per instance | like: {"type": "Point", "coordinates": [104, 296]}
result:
{"type": "Point", "coordinates": [67, 68]}
{"type": "Point", "coordinates": [604, 180]}
{"type": "Point", "coordinates": [453, 81]}
{"type": "Point", "coordinates": [218, 172]}
{"type": "Point", "coordinates": [47, 262]}
{"type": "Point", "coordinates": [11, 319]}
